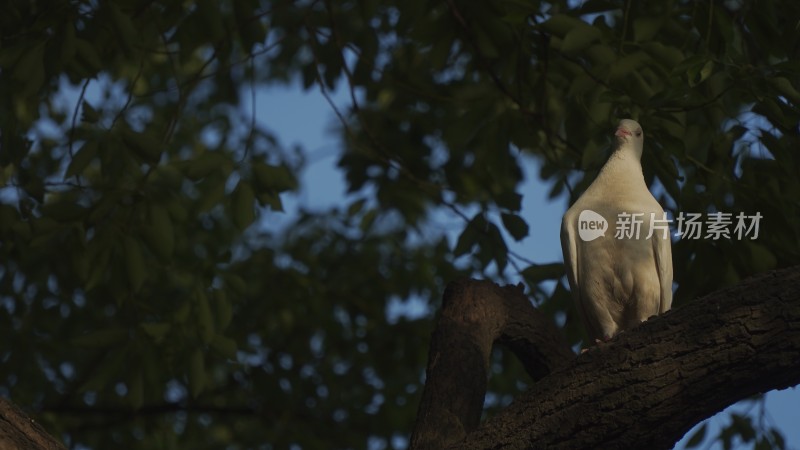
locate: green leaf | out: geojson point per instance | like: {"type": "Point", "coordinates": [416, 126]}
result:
{"type": "Point", "coordinates": [697, 437]}
{"type": "Point", "coordinates": [594, 156]}
{"type": "Point", "coordinates": [182, 313]}
{"type": "Point", "coordinates": [596, 6]}
{"type": "Point", "coordinates": [136, 389]}
{"type": "Point", "coordinates": [197, 373]}
{"type": "Point", "coordinates": [236, 283]}
{"type": "Point", "coordinates": [123, 26]}
{"type": "Point", "coordinates": [509, 200]}
{"type": "Point", "coordinates": [82, 158]}
{"type": "Point", "coordinates": [667, 56]}
{"type": "Point", "coordinates": [251, 30]}
{"type": "Point", "coordinates": [29, 70]}
{"type": "Point", "coordinates": [107, 338]}
{"type": "Point", "coordinates": [159, 232]}
{"type": "Point", "coordinates": [743, 426]}
{"type": "Point", "coordinates": [205, 320]}
{"type": "Point", "coordinates": [764, 444]}
{"type": "Point", "coordinates": [542, 272]}
{"type": "Point", "coordinates": [696, 69]}
{"type": "Point", "coordinates": [156, 330]}
{"type": "Point", "coordinates": [273, 178]}
{"type": "Point", "coordinates": [579, 38]}
{"type": "Point", "coordinates": [777, 438]}
{"type": "Point", "coordinates": [242, 205]}
{"type": "Point", "coordinates": [8, 216]}
{"type": "Point", "coordinates": [356, 207]}
{"type": "Point", "coordinates": [515, 225]}
{"type": "Point", "coordinates": [561, 24]}
{"type": "Point", "coordinates": [99, 268]}
{"type": "Point", "coordinates": [600, 54]}
{"type": "Point", "coordinates": [496, 247]}
{"type": "Point", "coordinates": [105, 373]}
{"type": "Point", "coordinates": [88, 56]}
{"type": "Point", "coordinates": [706, 71]}
{"type": "Point", "coordinates": [88, 113]}
{"type": "Point", "coordinates": [271, 199]}
{"type": "Point", "coordinates": [644, 28]}
{"type": "Point", "coordinates": [143, 144]}
{"type": "Point", "coordinates": [63, 209]}
{"type": "Point", "coordinates": [785, 87]}
{"type": "Point", "coordinates": [204, 165]}
{"type": "Point", "coordinates": [627, 64]}
{"type": "Point", "coordinates": [486, 46]}
{"type": "Point", "coordinates": [212, 193]}
{"type": "Point", "coordinates": [224, 346]}
{"type": "Point", "coordinates": [134, 262]}
{"type": "Point", "coordinates": [68, 44]}
{"type": "Point", "coordinates": [470, 235]}
{"type": "Point", "coordinates": [367, 220]}
{"type": "Point", "coordinates": [211, 19]}
{"type": "Point", "coordinates": [223, 310]}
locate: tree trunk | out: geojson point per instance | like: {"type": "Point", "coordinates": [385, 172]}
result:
{"type": "Point", "coordinates": [644, 389]}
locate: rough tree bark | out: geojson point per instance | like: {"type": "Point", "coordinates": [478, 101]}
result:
{"type": "Point", "coordinates": [20, 432]}
{"type": "Point", "coordinates": [644, 389]}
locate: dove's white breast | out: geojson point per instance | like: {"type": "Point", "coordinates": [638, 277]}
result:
{"type": "Point", "coordinates": [617, 283]}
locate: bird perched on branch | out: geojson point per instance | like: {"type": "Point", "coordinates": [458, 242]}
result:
{"type": "Point", "coordinates": [620, 272]}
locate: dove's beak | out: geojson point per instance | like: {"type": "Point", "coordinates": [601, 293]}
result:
{"type": "Point", "coordinates": [622, 132]}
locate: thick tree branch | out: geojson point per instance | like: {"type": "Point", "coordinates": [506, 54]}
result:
{"type": "Point", "coordinates": [644, 389]}
{"type": "Point", "coordinates": [20, 432]}
{"type": "Point", "coordinates": [475, 315]}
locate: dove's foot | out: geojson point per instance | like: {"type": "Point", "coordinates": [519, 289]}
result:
{"type": "Point", "coordinates": [602, 341]}
{"type": "Point", "coordinates": [597, 342]}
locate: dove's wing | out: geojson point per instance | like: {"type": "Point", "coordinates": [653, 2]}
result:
{"type": "Point", "coordinates": [570, 250]}
{"type": "Point", "coordinates": [662, 250]}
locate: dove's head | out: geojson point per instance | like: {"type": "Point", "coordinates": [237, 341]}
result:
{"type": "Point", "coordinates": [629, 133]}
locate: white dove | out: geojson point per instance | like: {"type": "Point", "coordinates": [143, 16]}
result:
{"type": "Point", "coordinates": [618, 279]}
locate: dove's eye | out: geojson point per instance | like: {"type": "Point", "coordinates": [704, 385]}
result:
{"type": "Point", "coordinates": [638, 133]}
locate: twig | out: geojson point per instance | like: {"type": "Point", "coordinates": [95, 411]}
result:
{"type": "Point", "coordinates": [130, 94]}
{"type": "Point", "coordinates": [485, 64]}
{"type": "Point", "coordinates": [75, 115]}
{"type": "Point", "coordinates": [625, 18]}
{"type": "Point", "coordinates": [251, 134]}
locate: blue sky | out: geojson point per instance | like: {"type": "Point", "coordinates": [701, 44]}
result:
{"type": "Point", "coordinates": [305, 119]}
